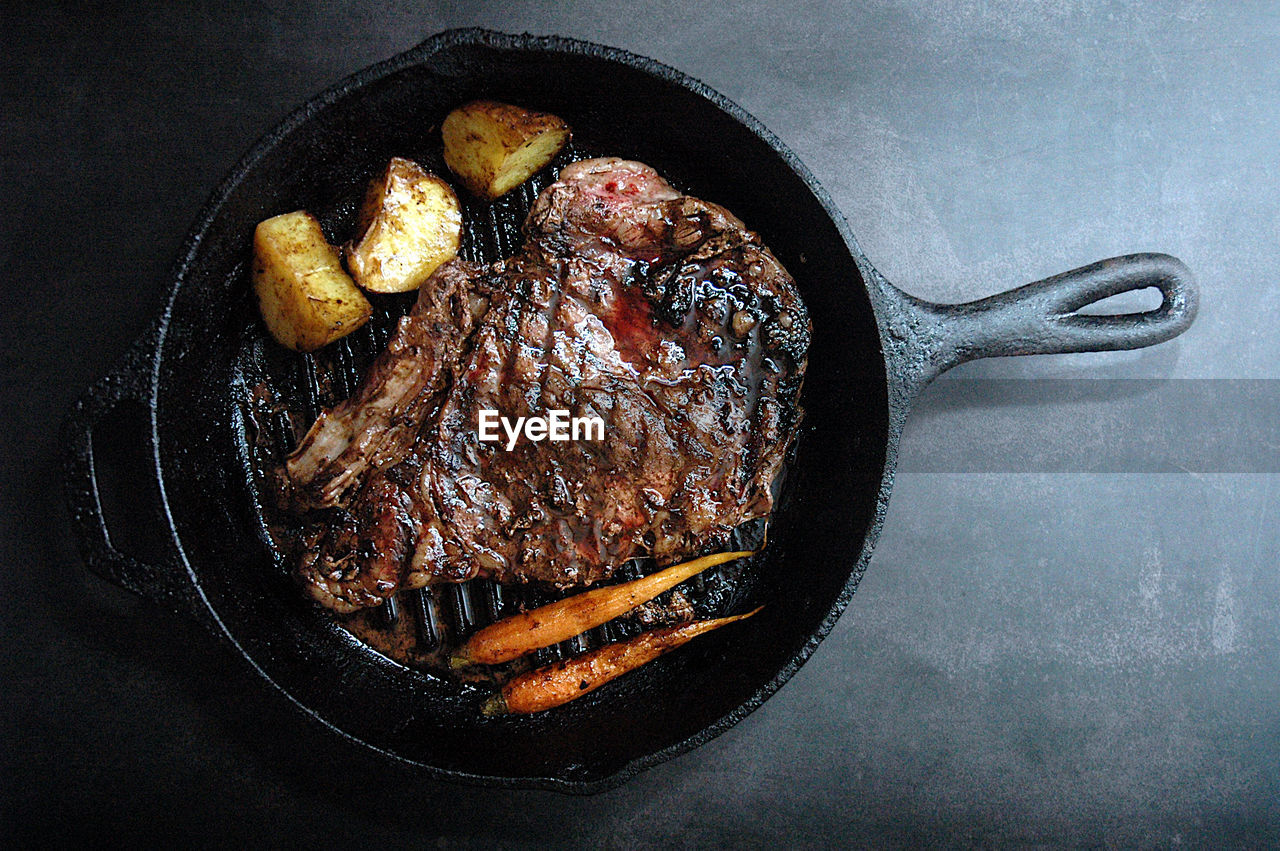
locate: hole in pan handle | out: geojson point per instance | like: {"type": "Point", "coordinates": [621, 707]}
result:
{"type": "Point", "coordinates": [1043, 317]}
{"type": "Point", "coordinates": [161, 575]}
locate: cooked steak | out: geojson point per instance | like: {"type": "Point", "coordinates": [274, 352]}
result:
{"type": "Point", "coordinates": [660, 314]}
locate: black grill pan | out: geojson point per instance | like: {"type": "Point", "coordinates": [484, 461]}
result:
{"type": "Point", "coordinates": [874, 348]}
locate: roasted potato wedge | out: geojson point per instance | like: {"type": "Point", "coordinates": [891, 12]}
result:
{"type": "Point", "coordinates": [410, 223]}
{"type": "Point", "coordinates": [494, 147]}
{"type": "Point", "coordinates": [306, 298]}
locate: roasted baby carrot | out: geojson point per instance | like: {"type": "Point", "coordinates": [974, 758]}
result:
{"type": "Point", "coordinates": [568, 680]}
{"type": "Point", "coordinates": [524, 633]}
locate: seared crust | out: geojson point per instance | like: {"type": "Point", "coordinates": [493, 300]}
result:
{"type": "Point", "coordinates": [659, 313]}
{"type": "Point", "coordinates": [377, 426]}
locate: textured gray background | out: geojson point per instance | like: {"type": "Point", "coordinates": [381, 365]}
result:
{"type": "Point", "coordinates": [1070, 633]}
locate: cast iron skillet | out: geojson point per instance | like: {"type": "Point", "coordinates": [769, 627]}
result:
{"type": "Point", "coordinates": [874, 348]}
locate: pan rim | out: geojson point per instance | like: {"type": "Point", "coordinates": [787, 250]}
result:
{"type": "Point", "coordinates": [872, 283]}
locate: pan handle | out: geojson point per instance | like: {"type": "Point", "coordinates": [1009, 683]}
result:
{"type": "Point", "coordinates": [1043, 317]}
{"type": "Point", "coordinates": [166, 581]}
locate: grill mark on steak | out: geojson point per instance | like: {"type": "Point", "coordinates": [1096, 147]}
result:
{"type": "Point", "coordinates": [376, 426]}
{"type": "Point", "coordinates": [660, 313]}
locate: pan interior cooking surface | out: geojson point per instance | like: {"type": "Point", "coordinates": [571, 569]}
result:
{"type": "Point", "coordinates": [281, 392]}
{"type": "Point", "coordinates": [218, 382]}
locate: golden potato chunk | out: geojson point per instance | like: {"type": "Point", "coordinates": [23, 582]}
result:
{"type": "Point", "coordinates": [306, 299]}
{"type": "Point", "coordinates": [410, 223]}
{"type": "Point", "coordinates": [494, 147]}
